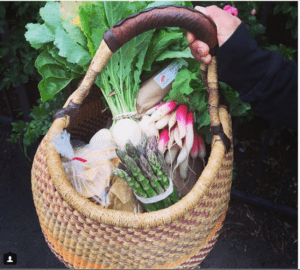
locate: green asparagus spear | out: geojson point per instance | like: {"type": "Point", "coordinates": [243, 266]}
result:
{"type": "Point", "coordinates": [144, 141]}
{"type": "Point", "coordinates": [131, 151]}
{"type": "Point", "coordinates": [122, 167]}
{"type": "Point", "coordinates": [137, 189]}
{"type": "Point", "coordinates": [141, 151]}
{"type": "Point", "coordinates": [121, 154]}
{"type": "Point", "coordinates": [152, 144]}
{"type": "Point", "coordinates": [164, 180]}
{"type": "Point", "coordinates": [162, 162]}
{"type": "Point", "coordinates": [148, 172]}
{"type": "Point", "coordinates": [136, 171]}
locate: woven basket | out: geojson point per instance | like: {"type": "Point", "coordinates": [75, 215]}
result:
{"type": "Point", "coordinates": [84, 235]}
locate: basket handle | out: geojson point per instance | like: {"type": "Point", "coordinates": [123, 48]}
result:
{"type": "Point", "coordinates": [161, 16]}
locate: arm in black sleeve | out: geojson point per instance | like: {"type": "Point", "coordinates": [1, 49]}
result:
{"type": "Point", "coordinates": [263, 78]}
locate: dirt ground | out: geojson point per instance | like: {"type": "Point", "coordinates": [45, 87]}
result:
{"type": "Point", "coordinates": [251, 237]}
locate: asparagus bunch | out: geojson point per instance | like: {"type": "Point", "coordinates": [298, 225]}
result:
{"type": "Point", "coordinates": [144, 169]}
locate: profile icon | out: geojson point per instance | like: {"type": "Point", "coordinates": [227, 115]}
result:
{"type": "Point", "coordinates": [10, 258]}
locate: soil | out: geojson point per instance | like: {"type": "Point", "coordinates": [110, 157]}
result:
{"type": "Point", "coordinates": [277, 163]}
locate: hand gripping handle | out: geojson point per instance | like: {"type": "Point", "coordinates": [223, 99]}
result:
{"type": "Point", "coordinates": [162, 16]}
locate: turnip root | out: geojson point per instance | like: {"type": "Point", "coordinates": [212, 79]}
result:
{"type": "Point", "coordinates": [124, 130]}
{"type": "Point", "coordinates": [100, 136]}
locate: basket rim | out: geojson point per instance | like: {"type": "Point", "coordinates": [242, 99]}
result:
{"type": "Point", "coordinates": [134, 220]}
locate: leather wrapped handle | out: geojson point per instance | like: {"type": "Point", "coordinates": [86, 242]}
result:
{"type": "Point", "coordinates": [163, 16]}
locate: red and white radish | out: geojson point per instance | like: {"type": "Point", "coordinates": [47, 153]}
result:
{"type": "Point", "coordinates": [172, 120]}
{"type": "Point", "coordinates": [189, 138]}
{"type": "Point", "coordinates": [171, 140]}
{"type": "Point", "coordinates": [171, 154]}
{"type": "Point", "coordinates": [183, 168]}
{"type": "Point", "coordinates": [163, 110]}
{"type": "Point", "coordinates": [163, 140]}
{"type": "Point", "coordinates": [183, 154]}
{"type": "Point", "coordinates": [181, 115]}
{"type": "Point", "coordinates": [153, 109]}
{"type": "Point", "coordinates": [177, 136]}
{"type": "Point", "coordinates": [160, 124]}
{"type": "Point", "coordinates": [201, 148]}
{"type": "Point", "coordinates": [194, 150]}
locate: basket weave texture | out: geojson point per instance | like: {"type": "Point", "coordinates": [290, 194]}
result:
{"type": "Point", "coordinates": [80, 241]}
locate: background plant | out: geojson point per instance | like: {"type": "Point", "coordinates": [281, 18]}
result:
{"type": "Point", "coordinates": [41, 116]}
{"type": "Point", "coordinates": [16, 54]}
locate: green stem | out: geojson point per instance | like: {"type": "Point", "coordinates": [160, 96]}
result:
{"type": "Point", "coordinates": [114, 110]}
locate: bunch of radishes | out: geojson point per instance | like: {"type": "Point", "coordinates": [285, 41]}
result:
{"type": "Point", "coordinates": [174, 126]}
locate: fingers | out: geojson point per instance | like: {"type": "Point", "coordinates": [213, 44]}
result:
{"type": "Point", "coordinates": [201, 9]}
{"type": "Point", "coordinates": [190, 37]}
{"type": "Point", "coordinates": [203, 59]}
{"type": "Point", "coordinates": [199, 49]}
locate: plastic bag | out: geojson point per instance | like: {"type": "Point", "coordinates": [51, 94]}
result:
{"type": "Point", "coordinates": [89, 167]}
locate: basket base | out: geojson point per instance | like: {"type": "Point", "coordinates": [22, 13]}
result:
{"type": "Point", "coordinates": [197, 256]}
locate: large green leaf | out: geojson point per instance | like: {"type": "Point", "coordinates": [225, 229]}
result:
{"type": "Point", "coordinates": [51, 85]}
{"type": "Point", "coordinates": [37, 35]}
{"type": "Point", "coordinates": [126, 56]}
{"type": "Point", "coordinates": [143, 42]}
{"type": "Point", "coordinates": [159, 43]}
{"type": "Point", "coordinates": [70, 21]}
{"type": "Point", "coordinates": [199, 101]}
{"type": "Point", "coordinates": [44, 59]}
{"type": "Point", "coordinates": [182, 81]}
{"type": "Point", "coordinates": [50, 13]}
{"type": "Point", "coordinates": [55, 76]}
{"type": "Point", "coordinates": [63, 61]}
{"type": "Point", "coordinates": [115, 11]}
{"type": "Point", "coordinates": [75, 33]}
{"type": "Point", "coordinates": [69, 49]}
{"type": "Point", "coordinates": [175, 54]}
{"type": "Point", "coordinates": [93, 23]}
{"type": "Point", "coordinates": [203, 118]}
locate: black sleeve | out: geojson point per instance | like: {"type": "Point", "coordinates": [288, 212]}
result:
{"type": "Point", "coordinates": [263, 78]}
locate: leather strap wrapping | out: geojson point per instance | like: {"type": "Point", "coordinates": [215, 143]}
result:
{"type": "Point", "coordinates": [218, 130]}
{"type": "Point", "coordinates": [72, 109]}
{"type": "Point", "coordinates": [163, 16]}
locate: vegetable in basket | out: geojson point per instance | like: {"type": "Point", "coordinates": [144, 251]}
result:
{"type": "Point", "coordinates": [147, 174]}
